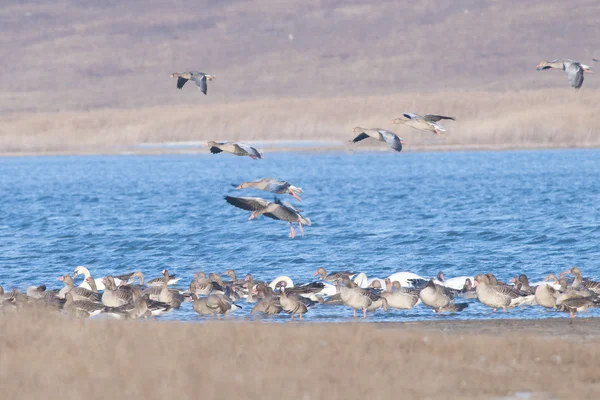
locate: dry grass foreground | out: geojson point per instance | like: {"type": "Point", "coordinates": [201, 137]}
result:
{"type": "Point", "coordinates": [517, 119]}
{"type": "Point", "coordinates": [43, 356]}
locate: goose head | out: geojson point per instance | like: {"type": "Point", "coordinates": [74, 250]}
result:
{"type": "Point", "coordinates": [321, 272]}
{"type": "Point", "coordinates": [375, 284]}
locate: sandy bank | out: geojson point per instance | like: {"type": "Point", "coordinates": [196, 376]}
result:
{"type": "Point", "coordinates": [50, 357]}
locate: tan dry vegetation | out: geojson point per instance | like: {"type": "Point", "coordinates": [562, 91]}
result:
{"type": "Point", "coordinates": [45, 356]}
{"type": "Point", "coordinates": [88, 76]}
{"type": "Point", "coordinates": [525, 119]}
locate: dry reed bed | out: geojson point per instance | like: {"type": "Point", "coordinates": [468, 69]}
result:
{"type": "Point", "coordinates": [525, 119]}
{"type": "Point", "coordinates": [46, 356]}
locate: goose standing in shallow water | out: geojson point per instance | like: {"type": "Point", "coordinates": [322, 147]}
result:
{"type": "Point", "coordinates": [427, 122]}
{"type": "Point", "coordinates": [293, 303]}
{"type": "Point", "coordinates": [545, 294]}
{"type": "Point", "coordinates": [573, 69]}
{"type": "Point", "coordinates": [357, 298]}
{"type": "Point", "coordinates": [172, 298]}
{"type": "Point", "coordinates": [399, 297]}
{"type": "Point", "coordinates": [274, 186]}
{"type": "Point", "coordinates": [439, 298]}
{"type": "Point", "coordinates": [392, 140]}
{"type": "Point", "coordinates": [579, 282]}
{"type": "Point", "coordinates": [275, 210]}
{"type": "Point", "coordinates": [238, 149]}
{"type": "Point", "coordinates": [199, 78]}
{"type": "Point", "coordinates": [494, 295]}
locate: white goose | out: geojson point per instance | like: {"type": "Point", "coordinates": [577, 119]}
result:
{"type": "Point", "coordinates": [363, 282]}
{"type": "Point", "coordinates": [81, 270]}
{"type": "Point", "coordinates": [404, 277]}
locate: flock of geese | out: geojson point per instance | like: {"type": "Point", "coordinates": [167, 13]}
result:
{"type": "Point", "coordinates": [130, 296]}
{"type": "Point", "coordinates": [285, 211]}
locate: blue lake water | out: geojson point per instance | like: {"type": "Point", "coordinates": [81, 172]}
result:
{"type": "Point", "coordinates": [531, 212]}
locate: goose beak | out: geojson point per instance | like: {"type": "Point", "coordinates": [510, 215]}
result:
{"type": "Point", "coordinates": [315, 274]}
{"type": "Point", "coordinates": [60, 278]}
{"type": "Point", "coordinates": [402, 141]}
{"type": "Point", "coordinates": [238, 187]}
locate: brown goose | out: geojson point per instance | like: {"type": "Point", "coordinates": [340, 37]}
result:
{"type": "Point", "coordinates": [357, 298]}
{"type": "Point", "coordinates": [427, 122]}
{"type": "Point", "coordinates": [579, 282]}
{"type": "Point", "coordinates": [235, 148]}
{"type": "Point", "coordinates": [276, 210]}
{"type": "Point", "coordinates": [269, 304]}
{"type": "Point", "coordinates": [398, 297]}
{"type": "Point", "coordinates": [522, 283]}
{"type": "Point", "coordinates": [78, 293]}
{"type": "Point", "coordinates": [573, 69]}
{"type": "Point", "coordinates": [576, 304]}
{"type": "Point", "coordinates": [332, 276]}
{"type": "Point", "coordinates": [392, 140]}
{"type": "Point", "coordinates": [171, 297]}
{"type": "Point", "coordinates": [215, 304]}
{"type": "Point", "coordinates": [173, 279]}
{"type": "Point", "coordinates": [293, 303]}
{"type": "Point", "coordinates": [545, 295]}
{"type": "Point", "coordinates": [81, 308]}
{"type": "Point", "coordinates": [570, 293]}
{"type": "Point", "coordinates": [439, 298]}
{"type": "Point", "coordinates": [199, 78]}
{"type": "Point", "coordinates": [274, 186]}
{"type": "Point", "coordinates": [494, 295]}
{"type": "Point", "coordinates": [202, 287]}
{"type": "Point", "coordinates": [113, 296]}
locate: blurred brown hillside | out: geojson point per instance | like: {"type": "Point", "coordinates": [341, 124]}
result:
{"type": "Point", "coordinates": [83, 55]}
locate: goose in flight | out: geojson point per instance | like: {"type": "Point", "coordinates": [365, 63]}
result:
{"type": "Point", "coordinates": [199, 79]}
{"type": "Point", "coordinates": [272, 185]}
{"type": "Point", "coordinates": [276, 210]}
{"type": "Point", "coordinates": [392, 140]}
{"type": "Point", "coordinates": [428, 122]}
{"type": "Point", "coordinates": [238, 149]}
{"type": "Point", "coordinates": [573, 69]}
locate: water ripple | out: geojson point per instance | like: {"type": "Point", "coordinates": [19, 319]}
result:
{"type": "Point", "coordinates": [464, 213]}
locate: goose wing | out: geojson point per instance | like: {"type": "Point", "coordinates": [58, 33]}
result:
{"type": "Point", "coordinates": [435, 118]}
{"type": "Point", "coordinates": [412, 116]}
{"type": "Point", "coordinates": [250, 150]}
{"type": "Point", "coordinates": [200, 80]}
{"type": "Point", "coordinates": [361, 136]}
{"type": "Point", "coordinates": [277, 186]}
{"type": "Point", "coordinates": [372, 293]}
{"type": "Point", "coordinates": [506, 290]}
{"type": "Point", "coordinates": [247, 203]}
{"type": "Point", "coordinates": [180, 82]}
{"type": "Point", "coordinates": [391, 139]}
{"type": "Point", "coordinates": [574, 74]}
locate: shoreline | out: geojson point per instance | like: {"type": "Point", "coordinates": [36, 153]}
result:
{"type": "Point", "coordinates": [183, 148]}
{"type": "Point", "coordinates": [223, 359]}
